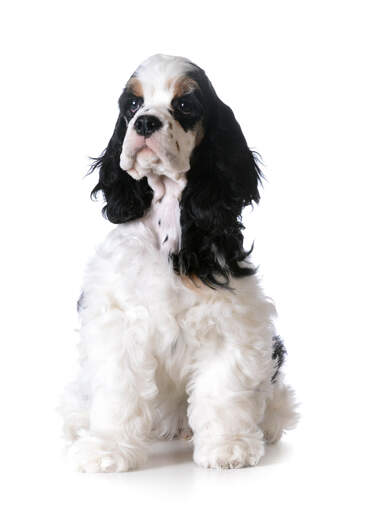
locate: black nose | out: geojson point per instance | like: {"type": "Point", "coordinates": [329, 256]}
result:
{"type": "Point", "coordinates": [146, 125]}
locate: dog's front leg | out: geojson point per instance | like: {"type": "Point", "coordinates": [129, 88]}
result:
{"type": "Point", "coordinates": [120, 369]}
{"type": "Point", "coordinates": [225, 409]}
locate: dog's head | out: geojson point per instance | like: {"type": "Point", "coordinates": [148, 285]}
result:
{"type": "Point", "coordinates": [168, 109]}
{"type": "Point", "coordinates": [172, 123]}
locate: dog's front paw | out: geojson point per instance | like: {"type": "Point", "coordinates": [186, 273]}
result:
{"type": "Point", "coordinates": [92, 454]}
{"type": "Point", "coordinates": [184, 433]}
{"type": "Point", "coordinates": [231, 454]}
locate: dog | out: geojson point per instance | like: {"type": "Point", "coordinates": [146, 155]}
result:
{"type": "Point", "coordinates": [177, 336]}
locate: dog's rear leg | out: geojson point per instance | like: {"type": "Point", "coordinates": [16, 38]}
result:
{"type": "Point", "coordinates": [280, 413]}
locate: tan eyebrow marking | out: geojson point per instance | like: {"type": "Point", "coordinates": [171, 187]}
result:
{"type": "Point", "coordinates": [135, 87]}
{"type": "Point", "coordinates": [184, 85]}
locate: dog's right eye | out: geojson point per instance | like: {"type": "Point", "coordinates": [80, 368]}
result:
{"type": "Point", "coordinates": [134, 104]}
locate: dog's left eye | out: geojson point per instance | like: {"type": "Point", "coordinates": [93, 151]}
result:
{"type": "Point", "coordinates": [184, 106]}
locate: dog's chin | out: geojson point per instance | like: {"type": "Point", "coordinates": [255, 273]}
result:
{"type": "Point", "coordinates": [145, 162]}
{"type": "Point", "coordinates": [147, 159]}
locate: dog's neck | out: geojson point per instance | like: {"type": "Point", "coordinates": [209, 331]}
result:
{"type": "Point", "coordinates": [163, 217]}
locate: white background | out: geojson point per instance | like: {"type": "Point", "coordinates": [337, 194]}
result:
{"type": "Point", "coordinates": [294, 73]}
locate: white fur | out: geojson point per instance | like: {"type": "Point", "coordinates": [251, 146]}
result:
{"type": "Point", "coordinates": [161, 357]}
{"type": "Point", "coordinates": [164, 215]}
{"type": "Point", "coordinates": [150, 345]}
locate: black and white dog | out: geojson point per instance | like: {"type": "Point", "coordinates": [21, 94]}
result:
{"type": "Point", "coordinates": [177, 338]}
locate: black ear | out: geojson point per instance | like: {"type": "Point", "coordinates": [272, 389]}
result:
{"type": "Point", "coordinates": [126, 198]}
{"type": "Point", "coordinates": [230, 156]}
{"type": "Point", "coordinates": [223, 178]}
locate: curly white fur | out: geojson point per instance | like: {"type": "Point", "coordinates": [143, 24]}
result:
{"type": "Point", "coordinates": [156, 352]}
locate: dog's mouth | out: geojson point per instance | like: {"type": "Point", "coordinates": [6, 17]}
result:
{"type": "Point", "coordinates": [139, 151]}
{"type": "Point", "coordinates": [144, 156]}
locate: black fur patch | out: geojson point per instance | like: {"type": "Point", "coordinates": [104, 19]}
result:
{"type": "Point", "coordinates": [194, 111]}
{"type": "Point", "coordinates": [278, 356]}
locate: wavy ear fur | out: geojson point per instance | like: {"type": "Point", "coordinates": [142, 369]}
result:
{"type": "Point", "coordinates": [126, 198]}
{"type": "Point", "coordinates": [223, 179]}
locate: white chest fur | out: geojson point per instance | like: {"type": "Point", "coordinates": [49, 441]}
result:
{"type": "Point", "coordinates": [163, 217]}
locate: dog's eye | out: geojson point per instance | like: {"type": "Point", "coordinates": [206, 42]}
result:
{"type": "Point", "coordinates": [184, 106]}
{"type": "Point", "coordinates": [134, 104]}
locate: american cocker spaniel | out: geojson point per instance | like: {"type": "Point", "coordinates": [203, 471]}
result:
{"type": "Point", "coordinates": [177, 336]}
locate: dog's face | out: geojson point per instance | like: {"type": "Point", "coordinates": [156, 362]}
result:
{"type": "Point", "coordinates": [163, 110]}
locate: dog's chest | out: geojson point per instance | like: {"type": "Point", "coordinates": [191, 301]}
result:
{"type": "Point", "coordinates": [163, 217]}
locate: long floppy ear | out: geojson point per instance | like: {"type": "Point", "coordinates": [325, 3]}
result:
{"type": "Point", "coordinates": [223, 178]}
{"type": "Point", "coordinates": [126, 198]}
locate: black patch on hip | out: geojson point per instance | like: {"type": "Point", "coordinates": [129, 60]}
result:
{"type": "Point", "coordinates": [278, 356]}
